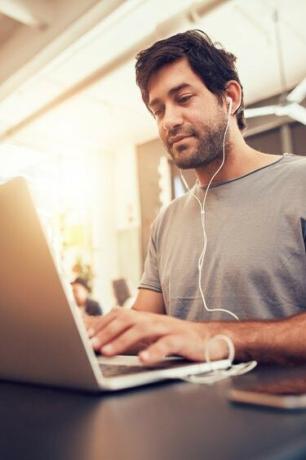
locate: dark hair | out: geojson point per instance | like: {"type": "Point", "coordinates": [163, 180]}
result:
{"type": "Point", "coordinates": [82, 281]}
{"type": "Point", "coordinates": [208, 60]}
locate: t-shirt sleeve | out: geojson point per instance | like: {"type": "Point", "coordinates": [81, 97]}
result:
{"type": "Point", "coordinates": [150, 278]}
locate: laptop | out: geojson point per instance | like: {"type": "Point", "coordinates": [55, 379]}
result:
{"type": "Point", "coordinates": [43, 337]}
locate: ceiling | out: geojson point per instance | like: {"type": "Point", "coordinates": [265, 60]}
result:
{"type": "Point", "coordinates": [68, 85]}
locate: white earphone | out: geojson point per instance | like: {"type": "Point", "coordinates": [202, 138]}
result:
{"type": "Point", "coordinates": [234, 369]}
{"type": "Point", "coordinates": [229, 101]}
{"type": "Point", "coordinates": [203, 218]}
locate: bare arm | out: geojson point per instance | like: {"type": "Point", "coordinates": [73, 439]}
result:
{"type": "Point", "coordinates": [279, 341]}
{"type": "Point", "coordinates": [148, 300]}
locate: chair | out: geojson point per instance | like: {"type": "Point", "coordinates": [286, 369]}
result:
{"type": "Point", "coordinates": [121, 291]}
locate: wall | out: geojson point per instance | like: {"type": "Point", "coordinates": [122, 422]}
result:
{"type": "Point", "coordinates": [104, 243]}
{"type": "Point", "coordinates": [116, 223]}
{"type": "Point", "coordinates": [127, 215]}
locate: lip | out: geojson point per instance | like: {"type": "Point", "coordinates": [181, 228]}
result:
{"type": "Point", "coordinates": [174, 140]}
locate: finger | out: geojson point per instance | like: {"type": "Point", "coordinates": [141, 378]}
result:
{"type": "Point", "coordinates": [128, 329]}
{"type": "Point", "coordinates": [129, 338]}
{"type": "Point", "coordinates": [99, 323]}
{"type": "Point", "coordinates": [89, 321]}
{"type": "Point", "coordinates": [172, 344]}
{"type": "Point", "coordinates": [113, 329]}
{"type": "Point", "coordinates": [159, 350]}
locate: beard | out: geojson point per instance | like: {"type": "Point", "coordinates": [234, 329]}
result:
{"type": "Point", "coordinates": [207, 145]}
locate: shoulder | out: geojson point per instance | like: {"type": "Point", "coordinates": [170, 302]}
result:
{"type": "Point", "coordinates": [293, 162]}
{"type": "Point", "coordinates": [293, 169]}
{"type": "Point", "coordinates": [93, 307]}
{"type": "Point", "coordinates": [173, 209]}
{"type": "Point", "coordinates": [286, 180]}
{"type": "Point", "coordinates": [173, 217]}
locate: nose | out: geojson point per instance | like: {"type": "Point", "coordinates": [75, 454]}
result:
{"type": "Point", "coordinates": [172, 119]}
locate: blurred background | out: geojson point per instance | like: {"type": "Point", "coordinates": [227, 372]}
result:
{"type": "Point", "coordinates": [73, 123]}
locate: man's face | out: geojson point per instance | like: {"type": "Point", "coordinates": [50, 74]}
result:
{"type": "Point", "coordinates": [190, 119]}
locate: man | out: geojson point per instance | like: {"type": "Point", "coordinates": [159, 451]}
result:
{"type": "Point", "coordinates": [81, 290]}
{"type": "Point", "coordinates": [252, 221]}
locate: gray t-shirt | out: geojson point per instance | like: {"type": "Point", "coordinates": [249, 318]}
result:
{"type": "Point", "coordinates": [255, 263]}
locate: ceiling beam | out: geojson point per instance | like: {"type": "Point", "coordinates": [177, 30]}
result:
{"type": "Point", "coordinates": [32, 13]}
{"type": "Point", "coordinates": [29, 49]}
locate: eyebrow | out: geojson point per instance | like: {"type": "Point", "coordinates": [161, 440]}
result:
{"type": "Point", "coordinates": [172, 91]}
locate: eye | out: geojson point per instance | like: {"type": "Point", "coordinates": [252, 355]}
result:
{"type": "Point", "coordinates": [184, 98]}
{"type": "Point", "coordinates": [157, 112]}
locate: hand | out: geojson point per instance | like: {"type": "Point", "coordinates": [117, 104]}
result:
{"type": "Point", "coordinates": [157, 335]}
{"type": "Point", "coordinates": [90, 321]}
{"type": "Point", "coordinates": [85, 317]}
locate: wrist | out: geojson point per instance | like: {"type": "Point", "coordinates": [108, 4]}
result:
{"type": "Point", "coordinates": [212, 334]}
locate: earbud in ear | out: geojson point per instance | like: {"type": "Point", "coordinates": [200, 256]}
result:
{"type": "Point", "coordinates": [229, 103]}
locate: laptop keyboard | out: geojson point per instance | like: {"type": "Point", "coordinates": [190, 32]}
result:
{"type": "Point", "coordinates": [115, 370]}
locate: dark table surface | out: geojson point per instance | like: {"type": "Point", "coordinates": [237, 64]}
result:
{"type": "Point", "coordinates": [171, 421]}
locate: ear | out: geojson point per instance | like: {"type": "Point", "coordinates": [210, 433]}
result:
{"type": "Point", "coordinates": [233, 91]}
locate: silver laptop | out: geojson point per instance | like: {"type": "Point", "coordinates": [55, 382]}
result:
{"type": "Point", "coordinates": [42, 336]}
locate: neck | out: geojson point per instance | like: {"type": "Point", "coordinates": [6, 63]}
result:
{"type": "Point", "coordinates": [240, 159]}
